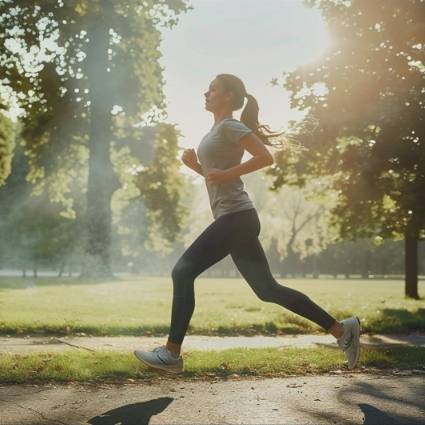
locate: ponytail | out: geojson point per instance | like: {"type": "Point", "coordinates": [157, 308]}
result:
{"type": "Point", "coordinates": [249, 115]}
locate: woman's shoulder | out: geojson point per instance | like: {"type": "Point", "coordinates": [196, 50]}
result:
{"type": "Point", "coordinates": [232, 122]}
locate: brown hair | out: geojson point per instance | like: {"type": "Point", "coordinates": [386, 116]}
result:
{"type": "Point", "coordinates": [249, 115]}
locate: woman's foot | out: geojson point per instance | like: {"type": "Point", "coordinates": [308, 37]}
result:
{"type": "Point", "coordinates": [349, 341]}
{"type": "Point", "coordinates": [161, 358]}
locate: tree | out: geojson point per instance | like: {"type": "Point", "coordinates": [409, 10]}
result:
{"type": "Point", "coordinates": [148, 194]}
{"type": "Point", "coordinates": [297, 219]}
{"type": "Point", "coordinates": [7, 145]}
{"type": "Point", "coordinates": [33, 230]}
{"type": "Point", "coordinates": [368, 96]}
{"type": "Point", "coordinates": [88, 62]}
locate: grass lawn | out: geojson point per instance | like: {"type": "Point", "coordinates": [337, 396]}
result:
{"type": "Point", "coordinates": [265, 362]}
{"type": "Point", "coordinates": [223, 306]}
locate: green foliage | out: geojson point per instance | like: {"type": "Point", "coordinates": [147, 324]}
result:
{"type": "Point", "coordinates": [160, 186]}
{"type": "Point", "coordinates": [55, 90]}
{"type": "Point", "coordinates": [368, 96]}
{"type": "Point", "coordinates": [90, 73]}
{"type": "Point", "coordinates": [33, 229]}
{"type": "Point", "coordinates": [7, 145]}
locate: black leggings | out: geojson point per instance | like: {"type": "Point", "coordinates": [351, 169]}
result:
{"type": "Point", "coordinates": [235, 234]}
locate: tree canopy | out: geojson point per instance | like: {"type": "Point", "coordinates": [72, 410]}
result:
{"type": "Point", "coordinates": [367, 94]}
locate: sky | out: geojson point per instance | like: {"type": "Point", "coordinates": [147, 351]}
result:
{"type": "Point", "coordinates": [255, 40]}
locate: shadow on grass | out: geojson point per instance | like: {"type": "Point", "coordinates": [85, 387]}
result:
{"type": "Point", "coordinates": [396, 320]}
{"type": "Point", "coordinates": [403, 357]}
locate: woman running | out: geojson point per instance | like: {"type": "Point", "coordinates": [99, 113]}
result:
{"type": "Point", "coordinates": [236, 226]}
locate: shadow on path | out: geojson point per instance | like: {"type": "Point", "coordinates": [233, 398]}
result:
{"type": "Point", "coordinates": [132, 414]}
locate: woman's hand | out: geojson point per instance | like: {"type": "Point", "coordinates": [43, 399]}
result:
{"type": "Point", "coordinates": [217, 176]}
{"type": "Point", "coordinates": [189, 158]}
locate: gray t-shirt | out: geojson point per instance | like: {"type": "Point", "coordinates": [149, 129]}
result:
{"type": "Point", "coordinates": [220, 149]}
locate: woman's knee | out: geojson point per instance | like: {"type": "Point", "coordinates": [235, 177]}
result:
{"type": "Point", "coordinates": [182, 270]}
{"type": "Point", "coordinates": [268, 294]}
{"type": "Point", "coordinates": [278, 293]}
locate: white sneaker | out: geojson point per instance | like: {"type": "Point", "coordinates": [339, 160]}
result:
{"type": "Point", "coordinates": [349, 342]}
{"type": "Point", "coordinates": [160, 358]}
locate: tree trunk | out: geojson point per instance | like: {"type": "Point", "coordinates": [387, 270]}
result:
{"type": "Point", "coordinates": [366, 264]}
{"type": "Point", "coordinates": [102, 181]}
{"type": "Point", "coordinates": [282, 269]}
{"type": "Point", "coordinates": [315, 267]}
{"type": "Point", "coordinates": [411, 264]}
{"type": "Point", "coordinates": [61, 267]}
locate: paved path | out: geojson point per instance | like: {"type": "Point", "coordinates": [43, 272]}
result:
{"type": "Point", "coordinates": [125, 343]}
{"type": "Point", "coordinates": [348, 399]}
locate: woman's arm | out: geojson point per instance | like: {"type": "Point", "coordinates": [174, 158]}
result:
{"type": "Point", "coordinates": [190, 159]}
{"type": "Point", "coordinates": [253, 164]}
{"type": "Point", "coordinates": [197, 167]}
{"type": "Point", "coordinates": [261, 157]}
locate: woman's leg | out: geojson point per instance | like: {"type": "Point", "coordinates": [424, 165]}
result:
{"type": "Point", "coordinates": [250, 259]}
{"type": "Point", "coordinates": [212, 245]}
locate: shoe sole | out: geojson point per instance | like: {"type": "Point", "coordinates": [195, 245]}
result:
{"type": "Point", "coordinates": [357, 332]}
{"type": "Point", "coordinates": [167, 369]}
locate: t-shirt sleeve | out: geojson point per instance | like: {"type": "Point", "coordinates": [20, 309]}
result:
{"type": "Point", "coordinates": [234, 130]}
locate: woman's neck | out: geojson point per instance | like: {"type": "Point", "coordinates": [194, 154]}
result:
{"type": "Point", "coordinates": [220, 117]}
